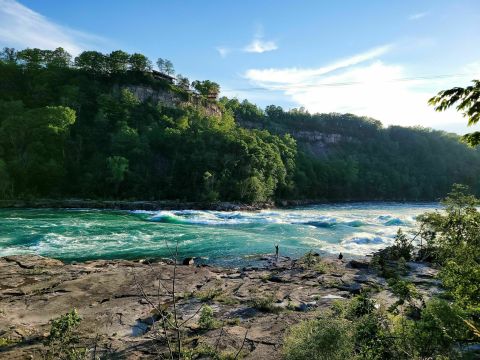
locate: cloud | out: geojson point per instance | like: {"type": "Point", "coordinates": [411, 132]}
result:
{"type": "Point", "coordinates": [417, 16]}
{"type": "Point", "coordinates": [364, 85]}
{"type": "Point", "coordinates": [260, 46]}
{"type": "Point", "coordinates": [257, 46]}
{"type": "Point", "coordinates": [22, 27]}
{"type": "Point", "coordinates": [223, 51]}
{"type": "Point", "coordinates": [296, 75]}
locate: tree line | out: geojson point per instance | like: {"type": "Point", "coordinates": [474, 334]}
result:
{"type": "Point", "coordinates": [69, 127]}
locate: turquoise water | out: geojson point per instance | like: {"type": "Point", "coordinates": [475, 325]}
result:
{"type": "Point", "coordinates": [228, 238]}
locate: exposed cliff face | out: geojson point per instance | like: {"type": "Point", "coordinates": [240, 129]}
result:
{"type": "Point", "coordinates": [316, 142]}
{"type": "Point", "coordinates": [171, 99]}
{"type": "Point", "coordinates": [319, 143]}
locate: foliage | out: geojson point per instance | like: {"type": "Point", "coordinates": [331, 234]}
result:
{"type": "Point", "coordinates": [245, 154]}
{"type": "Point", "coordinates": [346, 157]}
{"type": "Point", "coordinates": [266, 304]}
{"type": "Point", "coordinates": [454, 234]}
{"type": "Point", "coordinates": [323, 338]}
{"type": "Point", "coordinates": [468, 100]}
{"type": "Point", "coordinates": [206, 87]}
{"type": "Point", "coordinates": [207, 320]}
{"type": "Point", "coordinates": [62, 340]}
{"type": "Point", "coordinates": [438, 332]}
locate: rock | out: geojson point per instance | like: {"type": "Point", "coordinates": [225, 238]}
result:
{"type": "Point", "coordinates": [353, 288]}
{"type": "Point", "coordinates": [306, 306]}
{"type": "Point", "coordinates": [359, 264]}
{"type": "Point", "coordinates": [188, 261]}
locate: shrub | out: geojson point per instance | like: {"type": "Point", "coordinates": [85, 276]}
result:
{"type": "Point", "coordinates": [266, 304]}
{"type": "Point", "coordinates": [438, 331]}
{"type": "Point", "coordinates": [360, 305]}
{"type": "Point", "coordinates": [323, 338]}
{"type": "Point", "coordinates": [62, 340]}
{"type": "Point", "coordinates": [207, 320]}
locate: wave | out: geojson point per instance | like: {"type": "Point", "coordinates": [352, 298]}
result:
{"type": "Point", "coordinates": [364, 239]}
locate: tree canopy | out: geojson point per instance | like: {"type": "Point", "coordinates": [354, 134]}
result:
{"type": "Point", "coordinates": [76, 128]}
{"type": "Point", "coordinates": [468, 103]}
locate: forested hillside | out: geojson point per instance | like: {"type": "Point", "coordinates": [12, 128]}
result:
{"type": "Point", "coordinates": [75, 128]}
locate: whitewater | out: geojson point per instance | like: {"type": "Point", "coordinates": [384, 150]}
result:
{"type": "Point", "coordinates": [223, 238]}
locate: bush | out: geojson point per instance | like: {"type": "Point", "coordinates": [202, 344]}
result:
{"type": "Point", "coordinates": [62, 341]}
{"type": "Point", "coordinates": [266, 304]}
{"type": "Point", "coordinates": [360, 305]}
{"type": "Point", "coordinates": [324, 338]}
{"type": "Point", "coordinates": [207, 320]}
{"type": "Point", "coordinates": [438, 332]}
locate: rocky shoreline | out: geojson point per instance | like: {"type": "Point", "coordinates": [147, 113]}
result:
{"type": "Point", "coordinates": [158, 205]}
{"type": "Point", "coordinates": [131, 205]}
{"type": "Point", "coordinates": [253, 307]}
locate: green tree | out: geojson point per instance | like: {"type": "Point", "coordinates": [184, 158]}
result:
{"type": "Point", "coordinates": [8, 55]}
{"type": "Point", "coordinates": [118, 167]}
{"type": "Point", "coordinates": [169, 69]}
{"type": "Point", "coordinates": [453, 235]}
{"type": "Point", "coordinates": [468, 99]}
{"type": "Point", "coordinates": [93, 62]}
{"type": "Point", "coordinates": [34, 143]}
{"type": "Point", "coordinates": [206, 87]}
{"type": "Point", "coordinates": [32, 58]}
{"type": "Point", "coordinates": [140, 63]}
{"type": "Point", "coordinates": [5, 181]}
{"type": "Point", "coordinates": [58, 58]}
{"type": "Point", "coordinates": [183, 82]}
{"type": "Point", "coordinates": [118, 61]}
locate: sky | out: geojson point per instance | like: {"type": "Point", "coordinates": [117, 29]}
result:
{"type": "Point", "coordinates": [382, 59]}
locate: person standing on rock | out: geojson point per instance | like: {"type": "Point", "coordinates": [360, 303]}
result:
{"type": "Point", "coordinates": [276, 252]}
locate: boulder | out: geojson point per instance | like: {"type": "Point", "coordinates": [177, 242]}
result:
{"type": "Point", "coordinates": [188, 261]}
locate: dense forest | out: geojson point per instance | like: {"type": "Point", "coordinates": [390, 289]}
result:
{"type": "Point", "coordinates": [75, 128]}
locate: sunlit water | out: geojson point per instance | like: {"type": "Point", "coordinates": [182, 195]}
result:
{"type": "Point", "coordinates": [227, 238]}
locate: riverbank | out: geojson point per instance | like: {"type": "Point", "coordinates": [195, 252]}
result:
{"type": "Point", "coordinates": [252, 307]}
{"type": "Point", "coordinates": [171, 204]}
{"type": "Point", "coordinates": [131, 205]}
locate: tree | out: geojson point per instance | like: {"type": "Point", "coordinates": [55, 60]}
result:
{"type": "Point", "coordinates": [8, 55]}
{"type": "Point", "coordinates": [169, 70]}
{"type": "Point", "coordinates": [139, 62]}
{"type": "Point", "coordinates": [468, 100]}
{"type": "Point", "coordinates": [32, 58]}
{"type": "Point", "coordinates": [206, 88]}
{"type": "Point", "coordinates": [34, 140]}
{"type": "Point", "coordinates": [183, 82]}
{"type": "Point", "coordinates": [5, 181]}
{"type": "Point", "coordinates": [453, 237]}
{"type": "Point", "coordinates": [93, 62]}
{"type": "Point", "coordinates": [118, 61]}
{"type": "Point", "coordinates": [58, 58]}
{"type": "Point", "coordinates": [161, 65]}
{"type": "Point", "coordinates": [165, 66]}
{"type": "Point", "coordinates": [118, 167]}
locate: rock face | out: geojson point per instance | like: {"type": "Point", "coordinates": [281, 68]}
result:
{"type": "Point", "coordinates": [171, 99]}
{"type": "Point", "coordinates": [108, 297]}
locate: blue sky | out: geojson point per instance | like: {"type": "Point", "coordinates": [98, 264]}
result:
{"type": "Point", "coordinates": [382, 59]}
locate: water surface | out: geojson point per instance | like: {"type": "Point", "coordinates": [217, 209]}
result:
{"type": "Point", "coordinates": [226, 238]}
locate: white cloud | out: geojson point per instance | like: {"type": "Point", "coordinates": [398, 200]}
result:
{"type": "Point", "coordinates": [223, 51]}
{"type": "Point", "coordinates": [22, 27]}
{"type": "Point", "coordinates": [296, 75]}
{"type": "Point", "coordinates": [417, 16]}
{"type": "Point", "coordinates": [260, 46]}
{"type": "Point", "coordinates": [364, 85]}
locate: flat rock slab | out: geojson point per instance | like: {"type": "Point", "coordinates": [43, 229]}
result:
{"type": "Point", "coordinates": [116, 301]}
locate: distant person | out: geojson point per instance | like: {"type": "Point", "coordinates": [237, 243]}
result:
{"type": "Point", "coordinates": [276, 251]}
{"type": "Point", "coordinates": [340, 256]}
